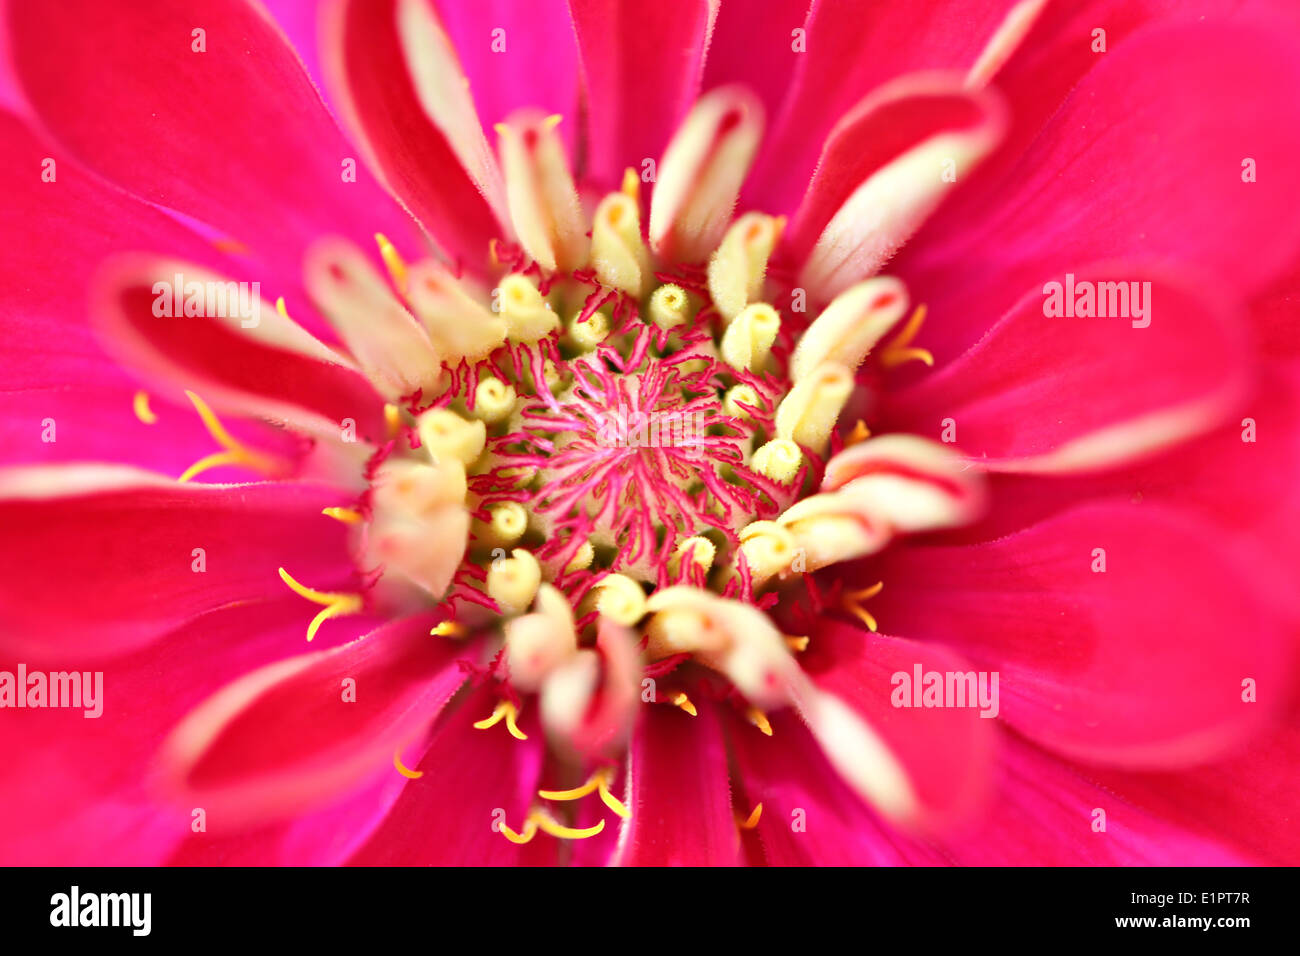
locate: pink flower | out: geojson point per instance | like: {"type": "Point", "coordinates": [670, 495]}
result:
{"type": "Point", "coordinates": [630, 509]}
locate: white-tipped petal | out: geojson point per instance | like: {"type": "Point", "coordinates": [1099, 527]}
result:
{"type": "Point", "coordinates": [848, 328]}
{"type": "Point", "coordinates": [618, 253]}
{"type": "Point", "coordinates": [739, 265]}
{"type": "Point", "coordinates": [828, 529]}
{"type": "Point", "coordinates": [392, 349]}
{"type": "Point", "coordinates": [543, 200]}
{"type": "Point", "coordinates": [460, 326]}
{"type": "Point", "coordinates": [701, 173]}
{"type": "Point", "coordinates": [807, 415]}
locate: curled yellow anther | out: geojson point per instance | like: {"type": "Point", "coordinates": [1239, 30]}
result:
{"type": "Point", "coordinates": [235, 453]}
{"type": "Point", "coordinates": [859, 434]}
{"type": "Point", "coordinates": [529, 831]}
{"type": "Point", "coordinates": [796, 643]}
{"type": "Point", "coordinates": [759, 720]}
{"type": "Point", "coordinates": [752, 820]}
{"type": "Point", "coordinates": [346, 515]}
{"type": "Point", "coordinates": [447, 629]}
{"type": "Point", "coordinates": [555, 829]}
{"type": "Point", "coordinates": [336, 604]}
{"type": "Point", "coordinates": [599, 781]}
{"type": "Point", "coordinates": [142, 410]}
{"type": "Point", "coordinates": [897, 351]}
{"type": "Point", "coordinates": [852, 602]}
{"type": "Point", "coordinates": [402, 768]}
{"type": "Point", "coordinates": [504, 711]}
{"type": "Point", "coordinates": [684, 702]}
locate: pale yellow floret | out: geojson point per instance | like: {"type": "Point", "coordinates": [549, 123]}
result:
{"type": "Point", "coordinates": [669, 306]}
{"type": "Point", "coordinates": [779, 460]}
{"type": "Point", "coordinates": [448, 436]}
{"type": "Point", "coordinates": [747, 342]}
{"type": "Point", "coordinates": [581, 559]}
{"type": "Point", "coordinates": [618, 253]}
{"type": "Point", "coordinates": [585, 336]}
{"type": "Point", "coordinates": [702, 552]}
{"type": "Point", "coordinates": [513, 582]}
{"type": "Point", "coordinates": [807, 415]}
{"type": "Point", "coordinates": [493, 400]}
{"type": "Point", "coordinates": [850, 326]}
{"type": "Point", "coordinates": [621, 599]}
{"type": "Point", "coordinates": [507, 523]}
{"type": "Point", "coordinates": [737, 396]}
{"type": "Point", "coordinates": [459, 323]}
{"type": "Point", "coordinates": [529, 317]}
{"type": "Point", "coordinates": [768, 549]}
{"type": "Point", "coordinates": [739, 265]}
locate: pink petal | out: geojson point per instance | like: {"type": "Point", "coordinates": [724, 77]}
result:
{"type": "Point", "coordinates": [98, 559]}
{"type": "Point", "coordinates": [1139, 665]}
{"type": "Point", "coordinates": [274, 369]}
{"type": "Point", "coordinates": [944, 753]}
{"type": "Point", "coordinates": [883, 171]}
{"type": "Point", "coordinates": [852, 47]}
{"type": "Point", "coordinates": [1082, 193]}
{"type": "Point", "coordinates": [62, 803]}
{"type": "Point", "coordinates": [756, 49]}
{"type": "Point", "coordinates": [416, 122]}
{"type": "Point", "coordinates": [473, 781]}
{"type": "Point", "coordinates": [1059, 393]}
{"type": "Point", "coordinates": [677, 791]}
{"type": "Point", "coordinates": [291, 733]}
{"type": "Point", "coordinates": [810, 817]}
{"type": "Point", "coordinates": [197, 132]}
{"type": "Point", "coordinates": [641, 69]}
{"type": "Point", "coordinates": [1045, 812]}
{"type": "Point", "coordinates": [538, 66]}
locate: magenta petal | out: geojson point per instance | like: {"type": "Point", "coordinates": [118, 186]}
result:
{"type": "Point", "coordinates": [297, 731]}
{"type": "Point", "coordinates": [1140, 664]}
{"type": "Point", "coordinates": [678, 793]}
{"type": "Point", "coordinates": [1061, 393]}
{"type": "Point", "coordinates": [62, 802]}
{"type": "Point", "coordinates": [810, 817]}
{"type": "Point", "coordinates": [944, 753]}
{"type": "Point", "coordinates": [472, 782]}
{"type": "Point", "coordinates": [1083, 192]}
{"type": "Point", "coordinates": [195, 131]}
{"type": "Point", "coordinates": [1046, 814]}
{"type": "Point", "coordinates": [641, 69]}
{"type": "Point", "coordinates": [100, 559]}
{"type": "Point", "coordinates": [444, 173]}
{"type": "Point", "coordinates": [852, 47]}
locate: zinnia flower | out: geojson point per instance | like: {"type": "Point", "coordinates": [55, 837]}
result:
{"type": "Point", "coordinates": [664, 409]}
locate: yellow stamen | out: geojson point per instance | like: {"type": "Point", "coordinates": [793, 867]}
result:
{"type": "Point", "coordinates": [796, 643]}
{"type": "Point", "coordinates": [447, 629]}
{"type": "Point", "coordinates": [280, 308]}
{"type": "Point", "coordinates": [897, 351]}
{"type": "Point", "coordinates": [142, 410]}
{"type": "Point", "coordinates": [346, 515]}
{"type": "Point", "coordinates": [504, 711]}
{"type": "Point", "coordinates": [859, 434]}
{"type": "Point", "coordinates": [631, 184]}
{"type": "Point", "coordinates": [759, 720]}
{"type": "Point", "coordinates": [549, 825]}
{"type": "Point", "coordinates": [235, 453]}
{"type": "Point", "coordinates": [402, 769]}
{"type": "Point", "coordinates": [336, 604]}
{"type": "Point", "coordinates": [530, 831]}
{"type": "Point", "coordinates": [752, 820]}
{"type": "Point", "coordinates": [599, 781]}
{"type": "Point", "coordinates": [852, 602]}
{"type": "Point", "coordinates": [684, 702]}
{"type": "Point", "coordinates": [393, 260]}
{"type": "Point", "coordinates": [393, 419]}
